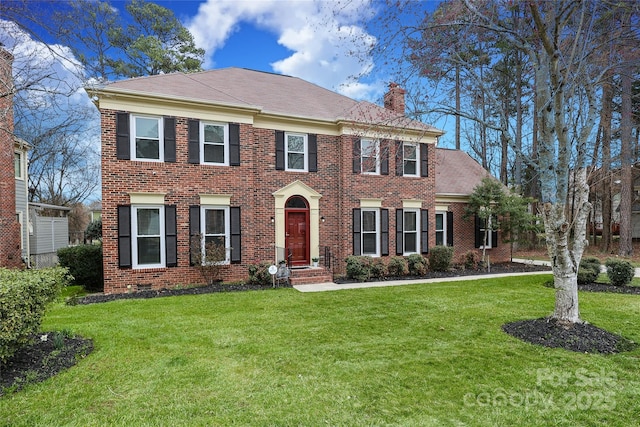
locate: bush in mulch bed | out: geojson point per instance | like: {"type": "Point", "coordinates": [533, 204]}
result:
{"type": "Point", "coordinates": [578, 337]}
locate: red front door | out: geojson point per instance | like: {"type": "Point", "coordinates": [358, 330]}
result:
{"type": "Point", "coordinates": [297, 236]}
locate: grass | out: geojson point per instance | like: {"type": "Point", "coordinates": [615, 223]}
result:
{"type": "Point", "coordinates": [415, 355]}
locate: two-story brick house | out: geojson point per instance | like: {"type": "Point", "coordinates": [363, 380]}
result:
{"type": "Point", "coordinates": [270, 165]}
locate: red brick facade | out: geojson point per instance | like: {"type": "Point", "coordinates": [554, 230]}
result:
{"type": "Point", "coordinates": [254, 187]}
{"type": "Point", "coordinates": [10, 253]}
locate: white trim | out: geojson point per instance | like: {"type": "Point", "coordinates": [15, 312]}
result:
{"type": "Point", "coordinates": [146, 198]}
{"type": "Point", "coordinates": [371, 203]}
{"type": "Point", "coordinates": [305, 151]}
{"type": "Point", "coordinates": [444, 227]}
{"type": "Point", "coordinates": [135, 236]}
{"type": "Point", "coordinates": [215, 199]}
{"type": "Point", "coordinates": [225, 143]}
{"type": "Point", "coordinates": [133, 138]}
{"type": "Point", "coordinates": [411, 204]}
{"type": "Point", "coordinates": [21, 162]}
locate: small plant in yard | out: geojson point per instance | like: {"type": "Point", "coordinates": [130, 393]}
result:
{"type": "Point", "coordinates": [417, 265]}
{"type": "Point", "coordinates": [259, 274]}
{"type": "Point", "coordinates": [440, 258]}
{"type": "Point", "coordinates": [398, 266]}
{"type": "Point", "coordinates": [208, 257]}
{"type": "Point", "coordinates": [589, 270]}
{"type": "Point", "coordinates": [620, 272]}
{"type": "Point", "coordinates": [379, 269]}
{"type": "Point", "coordinates": [359, 267]}
{"type": "Point", "coordinates": [470, 260]}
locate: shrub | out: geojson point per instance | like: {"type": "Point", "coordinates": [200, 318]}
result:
{"type": "Point", "coordinates": [398, 266]}
{"type": "Point", "coordinates": [84, 263]}
{"type": "Point", "coordinates": [440, 258]}
{"type": "Point", "coordinates": [259, 274]}
{"type": "Point", "coordinates": [589, 270]}
{"type": "Point", "coordinates": [470, 260]}
{"type": "Point", "coordinates": [620, 272]}
{"type": "Point", "coordinates": [379, 269]}
{"type": "Point", "coordinates": [94, 230]}
{"type": "Point", "coordinates": [586, 276]}
{"type": "Point", "coordinates": [23, 299]}
{"type": "Point", "coordinates": [359, 267]}
{"type": "Point", "coordinates": [417, 265]}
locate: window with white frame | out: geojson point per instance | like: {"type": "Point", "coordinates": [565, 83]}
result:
{"type": "Point", "coordinates": [411, 164]}
{"type": "Point", "coordinates": [370, 231]}
{"type": "Point", "coordinates": [441, 228]}
{"type": "Point", "coordinates": [214, 138]}
{"type": "Point", "coordinates": [17, 165]}
{"type": "Point", "coordinates": [215, 228]}
{"type": "Point", "coordinates": [411, 227]}
{"type": "Point", "coordinates": [148, 241]}
{"type": "Point", "coordinates": [370, 156]}
{"type": "Point", "coordinates": [296, 149]}
{"type": "Point", "coordinates": [485, 233]}
{"type": "Point", "coordinates": [147, 138]}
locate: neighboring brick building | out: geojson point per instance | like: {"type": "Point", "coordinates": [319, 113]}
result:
{"type": "Point", "coordinates": [10, 248]}
{"type": "Point", "coordinates": [273, 166]}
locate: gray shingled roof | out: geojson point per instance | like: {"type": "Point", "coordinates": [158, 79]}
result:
{"type": "Point", "coordinates": [457, 173]}
{"type": "Point", "coordinates": [271, 93]}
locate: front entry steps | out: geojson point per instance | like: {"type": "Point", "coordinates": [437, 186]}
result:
{"type": "Point", "coordinates": [310, 275]}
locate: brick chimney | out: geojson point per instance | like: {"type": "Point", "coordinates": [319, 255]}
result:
{"type": "Point", "coordinates": [10, 254]}
{"type": "Point", "coordinates": [394, 99]}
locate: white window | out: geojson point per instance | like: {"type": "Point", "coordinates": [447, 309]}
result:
{"type": "Point", "coordinates": [19, 219]}
{"type": "Point", "coordinates": [485, 227]}
{"type": "Point", "coordinates": [147, 229]}
{"type": "Point", "coordinates": [215, 228]}
{"type": "Point", "coordinates": [296, 152]}
{"type": "Point", "coordinates": [214, 139]}
{"type": "Point", "coordinates": [147, 139]}
{"type": "Point", "coordinates": [370, 156]}
{"type": "Point", "coordinates": [411, 164]}
{"type": "Point", "coordinates": [411, 226]}
{"type": "Point", "coordinates": [370, 232]}
{"type": "Point", "coordinates": [17, 165]}
{"type": "Point", "coordinates": [441, 228]}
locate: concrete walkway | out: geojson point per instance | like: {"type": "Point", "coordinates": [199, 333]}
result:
{"type": "Point", "coordinates": [330, 286]}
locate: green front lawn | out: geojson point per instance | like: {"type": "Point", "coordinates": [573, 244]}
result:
{"type": "Point", "coordinates": [416, 355]}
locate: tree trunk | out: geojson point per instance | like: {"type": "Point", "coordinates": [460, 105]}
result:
{"type": "Point", "coordinates": [626, 185]}
{"type": "Point", "coordinates": [605, 125]}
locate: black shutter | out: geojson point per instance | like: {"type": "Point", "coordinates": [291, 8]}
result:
{"type": "Point", "coordinates": [424, 159]}
{"type": "Point", "coordinates": [385, 147]}
{"type": "Point", "coordinates": [123, 151]}
{"type": "Point", "coordinates": [494, 239]}
{"type": "Point", "coordinates": [234, 144]}
{"type": "Point", "coordinates": [171, 235]}
{"type": "Point", "coordinates": [236, 235]}
{"type": "Point", "coordinates": [194, 141]}
{"type": "Point", "coordinates": [169, 139]}
{"type": "Point", "coordinates": [124, 236]}
{"type": "Point", "coordinates": [313, 152]}
{"type": "Point", "coordinates": [357, 241]}
{"type": "Point", "coordinates": [356, 156]}
{"type": "Point", "coordinates": [194, 232]}
{"type": "Point", "coordinates": [399, 158]}
{"type": "Point", "coordinates": [399, 232]}
{"type": "Point", "coordinates": [424, 231]}
{"type": "Point", "coordinates": [479, 235]}
{"type": "Point", "coordinates": [384, 231]}
{"type": "Point", "coordinates": [279, 150]}
{"type": "Point", "coordinates": [449, 228]}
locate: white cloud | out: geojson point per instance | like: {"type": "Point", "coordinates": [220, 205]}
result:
{"type": "Point", "coordinates": [328, 45]}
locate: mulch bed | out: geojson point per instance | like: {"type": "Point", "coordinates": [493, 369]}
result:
{"type": "Point", "coordinates": [42, 359]}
